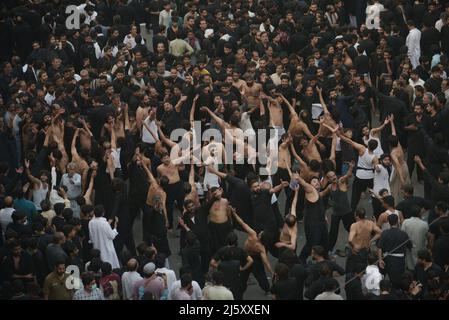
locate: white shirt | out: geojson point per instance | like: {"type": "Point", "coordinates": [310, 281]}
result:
{"type": "Point", "coordinates": [131, 41]}
{"type": "Point", "coordinates": [102, 237]}
{"type": "Point", "coordinates": [171, 277]}
{"type": "Point", "coordinates": [196, 295]}
{"type": "Point", "coordinates": [365, 161]}
{"type": "Point", "coordinates": [5, 218]}
{"type": "Point", "coordinates": [413, 44]}
{"type": "Point", "coordinates": [49, 98]}
{"type": "Point", "coordinates": [439, 24]}
{"type": "Point", "coordinates": [381, 179]}
{"type": "Point", "coordinates": [165, 18]}
{"type": "Point", "coordinates": [217, 293]}
{"type": "Point", "coordinates": [146, 135]}
{"type": "Point", "coordinates": [129, 279]}
{"type": "Point", "coordinates": [420, 82]}
{"type": "Point", "coordinates": [371, 280]}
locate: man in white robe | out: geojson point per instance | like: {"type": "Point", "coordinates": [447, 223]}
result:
{"type": "Point", "coordinates": [413, 43]}
{"type": "Point", "coordinates": [102, 237]}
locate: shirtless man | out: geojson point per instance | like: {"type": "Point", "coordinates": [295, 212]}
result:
{"type": "Point", "coordinates": [232, 127]}
{"type": "Point", "coordinates": [309, 149]}
{"type": "Point", "coordinates": [297, 126]}
{"type": "Point", "coordinates": [80, 158]}
{"type": "Point", "coordinates": [193, 193]}
{"type": "Point", "coordinates": [289, 232]}
{"type": "Point", "coordinates": [400, 175]}
{"type": "Point", "coordinates": [253, 90]}
{"type": "Point", "coordinates": [305, 172]}
{"type": "Point", "coordinates": [276, 114]}
{"type": "Point", "coordinates": [284, 161]}
{"type": "Point", "coordinates": [156, 188]}
{"type": "Point", "coordinates": [237, 81]}
{"type": "Point", "coordinates": [326, 121]}
{"type": "Point", "coordinates": [174, 188]}
{"type": "Point", "coordinates": [255, 248]}
{"type": "Point", "coordinates": [219, 219]}
{"type": "Point", "coordinates": [363, 232]}
{"type": "Point", "coordinates": [40, 186]}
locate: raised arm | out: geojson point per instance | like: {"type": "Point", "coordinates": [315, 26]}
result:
{"type": "Point", "coordinates": [279, 187]}
{"type": "Point", "coordinates": [216, 118]}
{"type": "Point", "coordinates": [376, 131]}
{"type": "Point", "coordinates": [180, 103]}
{"type": "Point", "coordinates": [297, 157]}
{"type": "Point", "coordinates": [320, 95]}
{"type": "Point", "coordinates": [126, 115]}
{"type": "Point", "coordinates": [32, 178]}
{"type": "Point", "coordinates": [393, 127]}
{"type": "Point", "coordinates": [360, 148]}
{"type": "Point", "coordinates": [149, 174]}
{"type": "Point", "coordinates": [86, 127]}
{"type": "Point", "coordinates": [73, 146]}
{"type": "Point", "coordinates": [289, 106]}
{"type": "Point", "coordinates": [192, 110]}
{"type": "Point", "coordinates": [308, 188]}
{"type": "Point", "coordinates": [212, 169]}
{"type": "Point", "coordinates": [239, 220]}
{"type": "Point", "coordinates": [88, 194]}
{"type": "Point", "coordinates": [164, 139]}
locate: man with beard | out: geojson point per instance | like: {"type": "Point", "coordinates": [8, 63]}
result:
{"type": "Point", "coordinates": [195, 219]}
{"type": "Point", "coordinates": [264, 215]}
{"type": "Point", "coordinates": [55, 287]}
{"type": "Point", "coordinates": [415, 124]}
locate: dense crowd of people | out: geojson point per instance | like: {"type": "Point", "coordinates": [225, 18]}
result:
{"type": "Point", "coordinates": [93, 181]}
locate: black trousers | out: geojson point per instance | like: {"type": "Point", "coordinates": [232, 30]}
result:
{"type": "Point", "coordinates": [394, 268]}
{"type": "Point", "coordinates": [347, 219]}
{"type": "Point", "coordinates": [127, 240]}
{"type": "Point", "coordinates": [355, 258]}
{"type": "Point", "coordinates": [258, 270]}
{"type": "Point", "coordinates": [358, 187]}
{"type": "Point", "coordinates": [175, 192]}
{"type": "Point", "coordinates": [316, 235]}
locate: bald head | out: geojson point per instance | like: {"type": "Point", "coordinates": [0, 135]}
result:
{"type": "Point", "coordinates": [9, 201]}
{"type": "Point", "coordinates": [132, 264]}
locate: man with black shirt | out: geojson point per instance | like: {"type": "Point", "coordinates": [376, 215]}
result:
{"type": "Point", "coordinates": [442, 216]}
{"type": "Point", "coordinates": [441, 247]}
{"type": "Point", "coordinates": [195, 219]}
{"type": "Point", "coordinates": [391, 250]}
{"type": "Point", "coordinates": [433, 84]}
{"type": "Point", "coordinates": [232, 252]}
{"type": "Point", "coordinates": [425, 269]}
{"type": "Point", "coordinates": [284, 286]}
{"type": "Point", "coordinates": [415, 125]}
{"type": "Point", "coordinates": [410, 200]}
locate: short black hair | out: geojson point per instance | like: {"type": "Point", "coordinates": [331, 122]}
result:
{"type": "Point", "coordinates": [186, 279]}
